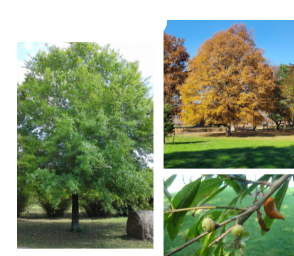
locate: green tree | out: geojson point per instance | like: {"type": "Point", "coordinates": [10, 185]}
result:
{"type": "Point", "coordinates": [87, 110]}
{"type": "Point", "coordinates": [213, 224]}
{"type": "Point", "coordinates": [283, 96]}
{"type": "Point", "coordinates": [169, 125]}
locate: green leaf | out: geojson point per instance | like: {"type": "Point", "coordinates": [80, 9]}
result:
{"type": "Point", "coordinates": [232, 203]}
{"type": "Point", "coordinates": [242, 184]}
{"type": "Point", "coordinates": [209, 238]}
{"type": "Point", "coordinates": [279, 200]}
{"type": "Point", "coordinates": [170, 180]}
{"type": "Point", "coordinates": [167, 207]}
{"type": "Point", "coordinates": [166, 193]}
{"type": "Point", "coordinates": [231, 253]}
{"type": "Point", "coordinates": [197, 252]}
{"type": "Point", "coordinates": [254, 185]}
{"type": "Point", "coordinates": [207, 187]}
{"type": "Point", "coordinates": [245, 235]}
{"type": "Point", "coordinates": [183, 199]}
{"type": "Point", "coordinates": [213, 195]}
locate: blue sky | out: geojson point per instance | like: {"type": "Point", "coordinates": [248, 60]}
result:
{"type": "Point", "coordinates": [275, 37]}
{"type": "Point", "coordinates": [131, 51]}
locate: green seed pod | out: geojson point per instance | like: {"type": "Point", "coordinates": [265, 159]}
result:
{"type": "Point", "coordinates": [208, 224]}
{"type": "Point", "coordinates": [238, 230]}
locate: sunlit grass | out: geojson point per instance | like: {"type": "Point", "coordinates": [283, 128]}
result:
{"type": "Point", "coordinates": [261, 149]}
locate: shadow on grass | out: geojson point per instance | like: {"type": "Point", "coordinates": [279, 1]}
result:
{"type": "Point", "coordinates": [259, 157]}
{"type": "Point", "coordinates": [49, 233]}
{"type": "Point", "coordinates": [177, 143]}
{"type": "Point", "coordinates": [258, 133]}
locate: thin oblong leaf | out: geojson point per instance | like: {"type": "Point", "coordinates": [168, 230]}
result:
{"type": "Point", "coordinates": [213, 195]}
{"type": "Point", "coordinates": [170, 180]}
{"type": "Point", "coordinates": [207, 241]}
{"type": "Point", "coordinates": [183, 199]}
{"type": "Point", "coordinates": [207, 187]}
{"type": "Point", "coordinates": [241, 184]}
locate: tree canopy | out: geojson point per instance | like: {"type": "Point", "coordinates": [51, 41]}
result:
{"type": "Point", "coordinates": [283, 95]}
{"type": "Point", "coordinates": [229, 81]}
{"type": "Point", "coordinates": [88, 113]}
{"type": "Point", "coordinates": [175, 60]}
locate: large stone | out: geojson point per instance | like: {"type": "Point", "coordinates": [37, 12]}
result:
{"type": "Point", "coordinates": [140, 225]}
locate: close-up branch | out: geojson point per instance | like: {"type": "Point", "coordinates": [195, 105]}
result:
{"type": "Point", "coordinates": [242, 217]}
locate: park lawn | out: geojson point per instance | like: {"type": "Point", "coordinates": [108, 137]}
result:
{"type": "Point", "coordinates": [42, 232]}
{"type": "Point", "coordinates": [260, 149]}
{"type": "Point", "coordinates": [278, 241]}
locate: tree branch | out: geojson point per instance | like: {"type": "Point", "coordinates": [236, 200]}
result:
{"type": "Point", "coordinates": [243, 216]}
{"type": "Point", "coordinates": [207, 207]}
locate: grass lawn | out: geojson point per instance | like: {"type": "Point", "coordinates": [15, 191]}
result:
{"type": "Point", "coordinates": [41, 232]}
{"type": "Point", "coordinates": [249, 149]}
{"type": "Point", "coordinates": [278, 241]}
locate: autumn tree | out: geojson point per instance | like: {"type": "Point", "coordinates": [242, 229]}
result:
{"type": "Point", "coordinates": [221, 229]}
{"type": "Point", "coordinates": [175, 60]}
{"type": "Point", "coordinates": [229, 81]}
{"type": "Point", "coordinates": [86, 114]}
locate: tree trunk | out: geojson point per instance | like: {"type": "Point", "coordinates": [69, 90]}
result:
{"type": "Point", "coordinates": [285, 126]}
{"type": "Point", "coordinates": [228, 130]}
{"type": "Point", "coordinates": [75, 226]}
{"type": "Point", "coordinates": [277, 126]}
{"type": "Point", "coordinates": [254, 128]}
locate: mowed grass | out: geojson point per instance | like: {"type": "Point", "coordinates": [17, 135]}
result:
{"type": "Point", "coordinates": [278, 241]}
{"type": "Point", "coordinates": [260, 149]}
{"type": "Point", "coordinates": [42, 232]}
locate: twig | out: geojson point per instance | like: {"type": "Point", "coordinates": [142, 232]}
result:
{"type": "Point", "coordinates": [243, 216]}
{"type": "Point", "coordinates": [222, 236]}
{"type": "Point", "coordinates": [251, 181]}
{"type": "Point", "coordinates": [207, 207]}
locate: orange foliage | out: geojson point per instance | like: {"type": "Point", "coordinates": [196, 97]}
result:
{"type": "Point", "coordinates": [175, 60]}
{"type": "Point", "coordinates": [271, 210]}
{"type": "Point", "coordinates": [229, 81]}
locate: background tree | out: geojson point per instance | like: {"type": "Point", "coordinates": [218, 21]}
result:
{"type": "Point", "coordinates": [229, 81]}
{"type": "Point", "coordinates": [175, 60]}
{"type": "Point", "coordinates": [288, 91]}
{"type": "Point", "coordinates": [211, 228]}
{"type": "Point", "coordinates": [169, 125]}
{"type": "Point", "coordinates": [87, 111]}
{"type": "Point", "coordinates": [283, 96]}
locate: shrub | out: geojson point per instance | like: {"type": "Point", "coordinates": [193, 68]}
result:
{"type": "Point", "coordinates": [52, 212]}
